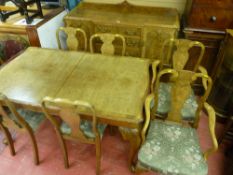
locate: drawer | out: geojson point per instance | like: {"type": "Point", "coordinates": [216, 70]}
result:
{"type": "Point", "coordinates": [209, 40]}
{"type": "Point", "coordinates": [105, 29]}
{"type": "Point", "coordinates": [133, 42]}
{"type": "Point", "coordinates": [210, 18]}
{"type": "Point", "coordinates": [130, 31]}
{"type": "Point", "coordinates": [130, 51]}
{"type": "Point", "coordinates": [214, 3]}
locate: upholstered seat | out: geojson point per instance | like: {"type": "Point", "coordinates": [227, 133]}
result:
{"type": "Point", "coordinates": [188, 111]}
{"type": "Point", "coordinates": [86, 128]}
{"type": "Point", "coordinates": [34, 119]}
{"type": "Point", "coordinates": [172, 148]}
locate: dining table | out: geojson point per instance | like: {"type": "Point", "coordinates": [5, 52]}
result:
{"type": "Point", "coordinates": [115, 85]}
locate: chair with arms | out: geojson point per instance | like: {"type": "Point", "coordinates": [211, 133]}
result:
{"type": "Point", "coordinates": [107, 46]}
{"type": "Point", "coordinates": [171, 146]}
{"type": "Point", "coordinates": [10, 45]}
{"type": "Point", "coordinates": [73, 127]}
{"type": "Point", "coordinates": [21, 121]}
{"type": "Point", "coordinates": [175, 54]}
{"type": "Point", "coordinates": [75, 36]}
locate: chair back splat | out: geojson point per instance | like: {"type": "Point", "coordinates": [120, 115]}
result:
{"type": "Point", "coordinates": [175, 53]}
{"type": "Point", "coordinates": [107, 45]}
{"type": "Point", "coordinates": [73, 125]}
{"type": "Point", "coordinates": [75, 36]}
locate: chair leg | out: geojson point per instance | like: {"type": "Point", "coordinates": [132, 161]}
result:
{"type": "Point", "coordinates": [64, 149]}
{"type": "Point", "coordinates": [98, 156]}
{"type": "Point", "coordinates": [34, 144]}
{"type": "Point", "coordinates": [9, 139]}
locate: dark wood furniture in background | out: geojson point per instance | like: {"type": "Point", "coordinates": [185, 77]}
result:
{"type": "Point", "coordinates": [23, 7]}
{"type": "Point", "coordinates": [206, 21]}
{"type": "Point", "coordinates": [144, 28]}
{"type": "Point", "coordinates": [221, 96]}
{"type": "Point", "coordinates": [29, 32]}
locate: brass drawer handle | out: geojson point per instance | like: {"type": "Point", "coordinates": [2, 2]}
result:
{"type": "Point", "coordinates": [213, 18]}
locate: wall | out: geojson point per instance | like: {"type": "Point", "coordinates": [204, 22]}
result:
{"type": "Point", "coordinates": [179, 4]}
{"type": "Point", "coordinates": [47, 32]}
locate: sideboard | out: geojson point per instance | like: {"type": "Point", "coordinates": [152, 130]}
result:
{"type": "Point", "coordinates": [144, 28]}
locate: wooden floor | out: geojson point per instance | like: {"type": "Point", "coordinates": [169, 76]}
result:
{"type": "Point", "coordinates": [82, 157]}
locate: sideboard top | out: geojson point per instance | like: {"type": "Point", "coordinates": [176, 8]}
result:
{"type": "Point", "coordinates": [125, 13]}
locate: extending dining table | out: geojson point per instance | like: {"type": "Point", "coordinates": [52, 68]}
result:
{"type": "Point", "coordinates": [115, 85]}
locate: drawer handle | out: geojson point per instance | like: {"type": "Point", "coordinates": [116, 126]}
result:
{"type": "Point", "coordinates": [213, 18]}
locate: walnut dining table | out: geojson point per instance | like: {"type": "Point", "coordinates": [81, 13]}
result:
{"type": "Point", "coordinates": [116, 85]}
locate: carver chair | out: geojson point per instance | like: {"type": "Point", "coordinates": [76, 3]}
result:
{"type": "Point", "coordinates": [20, 120]}
{"type": "Point", "coordinates": [73, 127]}
{"type": "Point", "coordinates": [175, 54]}
{"type": "Point", "coordinates": [75, 36]}
{"type": "Point", "coordinates": [171, 146]}
{"type": "Point", "coordinates": [107, 46]}
{"type": "Point", "coordinates": [10, 45]}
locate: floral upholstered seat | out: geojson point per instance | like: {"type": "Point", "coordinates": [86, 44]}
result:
{"type": "Point", "coordinates": [86, 128]}
{"type": "Point", "coordinates": [172, 149]}
{"type": "Point", "coordinates": [188, 111]}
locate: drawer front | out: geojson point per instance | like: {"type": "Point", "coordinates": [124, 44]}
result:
{"type": "Point", "coordinates": [210, 18]}
{"type": "Point", "coordinates": [130, 31]}
{"type": "Point", "coordinates": [130, 51]}
{"type": "Point", "coordinates": [105, 29]}
{"type": "Point", "coordinates": [214, 3]}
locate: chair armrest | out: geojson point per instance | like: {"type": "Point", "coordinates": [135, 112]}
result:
{"type": "Point", "coordinates": [154, 70]}
{"type": "Point", "coordinates": [204, 71]}
{"type": "Point", "coordinates": [212, 120]}
{"type": "Point", "coordinates": [147, 119]}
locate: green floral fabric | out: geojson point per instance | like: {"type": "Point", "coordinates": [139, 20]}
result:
{"type": "Point", "coordinates": [34, 119]}
{"type": "Point", "coordinates": [173, 150]}
{"type": "Point", "coordinates": [164, 102]}
{"type": "Point", "coordinates": [86, 128]}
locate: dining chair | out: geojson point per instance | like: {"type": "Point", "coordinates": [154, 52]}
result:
{"type": "Point", "coordinates": [74, 36]}
{"type": "Point", "coordinates": [20, 120]}
{"type": "Point", "coordinates": [107, 47]}
{"type": "Point", "coordinates": [175, 54]}
{"type": "Point", "coordinates": [10, 45]}
{"type": "Point", "coordinates": [171, 146]}
{"type": "Point", "coordinates": [73, 127]}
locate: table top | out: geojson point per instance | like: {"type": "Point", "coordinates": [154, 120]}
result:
{"type": "Point", "coordinates": [115, 85]}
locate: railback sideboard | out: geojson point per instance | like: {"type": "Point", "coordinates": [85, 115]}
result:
{"type": "Point", "coordinates": [144, 28]}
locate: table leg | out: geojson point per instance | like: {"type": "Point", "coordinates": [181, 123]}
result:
{"type": "Point", "coordinates": [134, 138]}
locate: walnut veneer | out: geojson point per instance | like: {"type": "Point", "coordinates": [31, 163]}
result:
{"type": "Point", "coordinates": [144, 28]}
